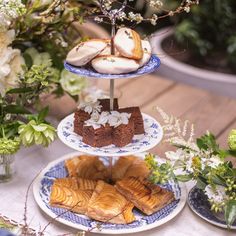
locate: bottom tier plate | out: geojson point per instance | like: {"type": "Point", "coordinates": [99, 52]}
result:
{"type": "Point", "coordinates": [56, 169]}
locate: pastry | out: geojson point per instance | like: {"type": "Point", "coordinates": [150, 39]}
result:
{"type": "Point", "coordinates": [128, 166]}
{"type": "Point", "coordinates": [88, 167]}
{"type": "Point", "coordinates": [147, 197]}
{"type": "Point", "coordinates": [68, 198]}
{"type": "Point", "coordinates": [107, 50]}
{"type": "Point", "coordinates": [76, 183]}
{"type": "Point", "coordinates": [136, 117]}
{"type": "Point", "coordinates": [114, 65]}
{"type": "Point", "coordinates": [85, 52]}
{"type": "Point", "coordinates": [128, 43]}
{"type": "Point", "coordinates": [147, 52]}
{"type": "Point", "coordinates": [108, 205]}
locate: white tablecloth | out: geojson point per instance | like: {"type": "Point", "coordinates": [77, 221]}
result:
{"type": "Point", "coordinates": [30, 161]}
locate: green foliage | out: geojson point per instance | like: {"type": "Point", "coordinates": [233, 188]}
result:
{"type": "Point", "coordinates": [9, 146]}
{"type": "Point", "coordinates": [209, 28]}
{"type": "Point", "coordinates": [230, 212]}
{"type": "Point", "coordinates": [36, 132]}
{"type": "Point", "coordinates": [232, 140]}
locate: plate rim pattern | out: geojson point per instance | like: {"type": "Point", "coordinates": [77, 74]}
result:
{"type": "Point", "coordinates": [153, 64]}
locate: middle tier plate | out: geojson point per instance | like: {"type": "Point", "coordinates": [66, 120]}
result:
{"type": "Point", "coordinates": [140, 143]}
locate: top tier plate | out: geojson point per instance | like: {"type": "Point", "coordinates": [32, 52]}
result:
{"type": "Point", "coordinates": [150, 67]}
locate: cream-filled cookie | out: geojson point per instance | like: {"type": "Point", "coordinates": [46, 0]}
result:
{"type": "Point", "coordinates": [147, 52]}
{"type": "Point", "coordinates": [128, 43]}
{"type": "Point", "coordinates": [85, 52]}
{"type": "Point", "coordinates": [114, 65]}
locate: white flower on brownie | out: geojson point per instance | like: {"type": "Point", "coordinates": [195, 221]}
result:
{"type": "Point", "coordinates": [97, 120]}
{"type": "Point", "coordinates": [116, 118]}
{"type": "Point", "coordinates": [217, 195]}
{"type": "Point", "coordinates": [90, 107]}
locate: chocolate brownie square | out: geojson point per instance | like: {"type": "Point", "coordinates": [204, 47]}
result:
{"type": "Point", "coordinates": [136, 117]}
{"type": "Point", "coordinates": [123, 134]}
{"type": "Point", "coordinates": [99, 137]}
{"type": "Point", "coordinates": [105, 103]}
{"type": "Point", "coordinates": [80, 117]}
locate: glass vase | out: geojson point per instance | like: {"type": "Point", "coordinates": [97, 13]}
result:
{"type": "Point", "coordinates": [7, 167]}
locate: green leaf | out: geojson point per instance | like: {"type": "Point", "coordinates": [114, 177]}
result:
{"type": "Point", "coordinates": [20, 90]}
{"type": "Point", "coordinates": [230, 212]}
{"type": "Point", "coordinates": [201, 182]}
{"type": "Point", "coordinates": [232, 153]}
{"type": "Point", "coordinates": [218, 180]}
{"type": "Point", "coordinates": [43, 113]}
{"type": "Point", "coordinates": [184, 178]}
{"type": "Point", "coordinates": [16, 109]}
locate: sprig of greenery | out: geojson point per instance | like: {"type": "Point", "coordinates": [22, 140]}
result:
{"type": "Point", "coordinates": [202, 160]}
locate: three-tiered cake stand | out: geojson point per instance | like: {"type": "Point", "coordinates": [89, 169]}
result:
{"type": "Point", "coordinates": [140, 143]}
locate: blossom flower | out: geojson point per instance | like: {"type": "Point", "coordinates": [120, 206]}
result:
{"type": "Point", "coordinates": [11, 63]}
{"type": "Point", "coordinates": [97, 120]}
{"type": "Point", "coordinates": [71, 83]}
{"type": "Point", "coordinates": [217, 194]}
{"type": "Point", "coordinates": [232, 139]}
{"type": "Point", "coordinates": [116, 118]}
{"type": "Point", "coordinates": [90, 107]}
{"type": "Point", "coordinates": [10, 10]}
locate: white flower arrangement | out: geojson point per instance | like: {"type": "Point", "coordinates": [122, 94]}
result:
{"type": "Point", "coordinates": [90, 107]}
{"type": "Point", "coordinates": [97, 120]}
{"type": "Point", "coordinates": [201, 160]}
{"type": "Point", "coordinates": [118, 118]}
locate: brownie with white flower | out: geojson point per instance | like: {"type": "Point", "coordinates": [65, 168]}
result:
{"type": "Point", "coordinates": [105, 104]}
{"type": "Point", "coordinates": [96, 131]}
{"type": "Point", "coordinates": [136, 117]}
{"type": "Point", "coordinates": [123, 128]}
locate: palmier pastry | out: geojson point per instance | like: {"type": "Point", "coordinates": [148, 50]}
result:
{"type": "Point", "coordinates": [147, 52]}
{"type": "Point", "coordinates": [128, 43]}
{"type": "Point", "coordinates": [85, 52]}
{"type": "Point", "coordinates": [114, 65]}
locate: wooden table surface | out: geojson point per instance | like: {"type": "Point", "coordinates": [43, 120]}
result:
{"type": "Point", "coordinates": [208, 111]}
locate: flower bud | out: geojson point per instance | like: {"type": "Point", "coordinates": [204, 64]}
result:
{"type": "Point", "coordinates": [232, 139]}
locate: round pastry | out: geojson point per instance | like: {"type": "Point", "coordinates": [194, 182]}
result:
{"type": "Point", "coordinates": [147, 52]}
{"type": "Point", "coordinates": [114, 65]}
{"type": "Point", "coordinates": [128, 43]}
{"type": "Point", "coordinates": [85, 52]}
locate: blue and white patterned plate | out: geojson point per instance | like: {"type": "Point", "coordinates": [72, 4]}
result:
{"type": "Point", "coordinates": [150, 67]}
{"type": "Point", "coordinates": [140, 143]}
{"type": "Point", "coordinates": [56, 169]}
{"type": "Point", "coordinates": [199, 204]}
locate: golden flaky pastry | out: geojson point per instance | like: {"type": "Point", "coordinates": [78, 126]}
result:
{"type": "Point", "coordinates": [147, 197]}
{"type": "Point", "coordinates": [69, 198]}
{"type": "Point", "coordinates": [128, 166]}
{"type": "Point", "coordinates": [108, 205]}
{"type": "Point", "coordinates": [88, 167]}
